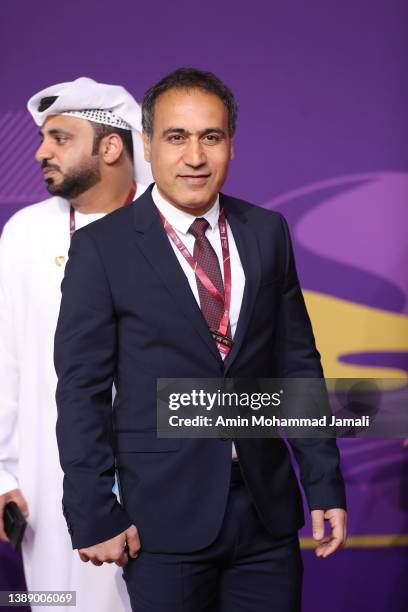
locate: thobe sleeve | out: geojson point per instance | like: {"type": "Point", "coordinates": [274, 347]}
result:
{"type": "Point", "coordinates": [9, 374]}
{"type": "Point", "coordinates": [318, 459]}
{"type": "Point", "coordinates": [85, 361]}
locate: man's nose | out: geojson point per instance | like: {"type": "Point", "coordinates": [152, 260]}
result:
{"type": "Point", "coordinates": [43, 152]}
{"type": "Point", "coordinates": [194, 154]}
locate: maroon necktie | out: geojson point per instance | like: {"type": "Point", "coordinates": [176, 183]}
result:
{"type": "Point", "coordinates": [207, 259]}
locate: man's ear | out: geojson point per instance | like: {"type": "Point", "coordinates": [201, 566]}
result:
{"type": "Point", "coordinates": [146, 145]}
{"type": "Point", "coordinates": [232, 152]}
{"type": "Point", "coordinates": [111, 148]}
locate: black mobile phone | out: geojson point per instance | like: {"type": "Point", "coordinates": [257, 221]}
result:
{"type": "Point", "coordinates": [14, 524]}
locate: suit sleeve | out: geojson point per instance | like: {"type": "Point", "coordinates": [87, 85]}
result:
{"type": "Point", "coordinates": [85, 360]}
{"type": "Point", "coordinates": [318, 459]}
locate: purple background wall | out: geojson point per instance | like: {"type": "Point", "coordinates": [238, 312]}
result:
{"type": "Point", "coordinates": [323, 136]}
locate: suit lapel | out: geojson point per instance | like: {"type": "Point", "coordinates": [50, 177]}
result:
{"type": "Point", "coordinates": [248, 250]}
{"type": "Point", "coordinates": [152, 240]}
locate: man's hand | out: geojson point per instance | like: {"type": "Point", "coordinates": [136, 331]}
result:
{"type": "Point", "coordinates": [115, 550]}
{"type": "Point", "coordinates": [16, 496]}
{"type": "Point", "coordinates": [337, 518]}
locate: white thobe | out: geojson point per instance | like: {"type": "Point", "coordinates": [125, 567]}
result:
{"type": "Point", "coordinates": [33, 252]}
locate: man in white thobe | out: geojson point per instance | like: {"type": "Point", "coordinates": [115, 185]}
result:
{"type": "Point", "coordinates": [91, 157]}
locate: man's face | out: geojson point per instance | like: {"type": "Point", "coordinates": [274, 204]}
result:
{"type": "Point", "coordinates": [66, 157]}
{"type": "Point", "coordinates": [190, 148]}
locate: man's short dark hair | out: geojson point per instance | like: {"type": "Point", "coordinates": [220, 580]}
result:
{"type": "Point", "coordinates": [101, 130]}
{"type": "Point", "coordinates": [189, 78]}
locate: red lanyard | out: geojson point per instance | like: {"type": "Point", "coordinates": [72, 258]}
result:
{"type": "Point", "coordinates": [129, 199]}
{"type": "Point", "coordinates": [223, 342]}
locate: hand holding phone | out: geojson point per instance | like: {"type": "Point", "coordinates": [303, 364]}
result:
{"type": "Point", "coordinates": [14, 524]}
{"type": "Point", "coordinates": [13, 513]}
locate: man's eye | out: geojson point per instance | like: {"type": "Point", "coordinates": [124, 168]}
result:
{"type": "Point", "coordinates": [213, 138]}
{"type": "Point", "coordinates": [175, 138]}
{"type": "Point", "coordinates": [60, 140]}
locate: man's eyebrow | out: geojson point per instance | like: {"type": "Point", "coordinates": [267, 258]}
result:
{"type": "Point", "coordinates": [175, 130]}
{"type": "Point", "coordinates": [55, 131]}
{"type": "Point", "coordinates": [209, 130]}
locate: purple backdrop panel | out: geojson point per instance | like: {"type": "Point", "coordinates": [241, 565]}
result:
{"type": "Point", "coordinates": [360, 580]}
{"type": "Point", "coordinates": [322, 136]}
{"type": "Point", "coordinates": [11, 574]}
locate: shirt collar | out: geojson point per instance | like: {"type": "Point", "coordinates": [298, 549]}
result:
{"type": "Point", "coordinates": [180, 220]}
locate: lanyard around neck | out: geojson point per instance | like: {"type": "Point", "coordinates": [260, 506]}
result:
{"type": "Point", "coordinates": [223, 342]}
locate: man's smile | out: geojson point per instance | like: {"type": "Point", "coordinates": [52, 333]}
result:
{"type": "Point", "coordinates": [194, 179]}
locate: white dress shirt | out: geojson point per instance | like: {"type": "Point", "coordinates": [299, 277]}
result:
{"type": "Point", "coordinates": [181, 222]}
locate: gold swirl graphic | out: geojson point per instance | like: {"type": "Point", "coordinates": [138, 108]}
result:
{"type": "Point", "coordinates": [342, 327]}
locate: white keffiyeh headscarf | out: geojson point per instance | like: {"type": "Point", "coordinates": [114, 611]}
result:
{"type": "Point", "coordinates": [107, 104]}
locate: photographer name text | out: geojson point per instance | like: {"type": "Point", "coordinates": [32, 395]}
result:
{"type": "Point", "coordinates": [263, 421]}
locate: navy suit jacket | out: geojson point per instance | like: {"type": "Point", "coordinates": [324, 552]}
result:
{"type": "Point", "coordinates": [128, 317]}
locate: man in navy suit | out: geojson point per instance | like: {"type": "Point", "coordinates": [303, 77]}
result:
{"type": "Point", "coordinates": [187, 283]}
